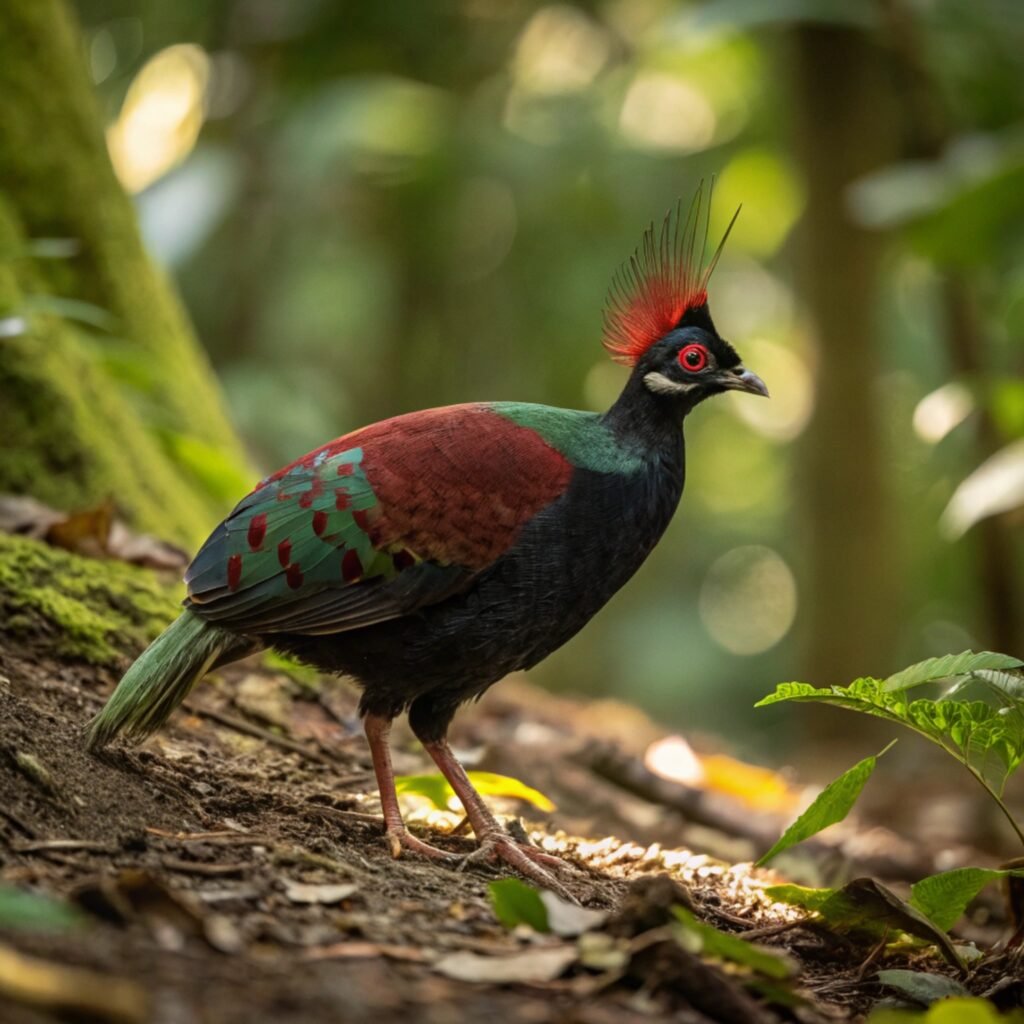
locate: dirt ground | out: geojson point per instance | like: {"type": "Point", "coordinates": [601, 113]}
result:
{"type": "Point", "coordinates": [233, 869]}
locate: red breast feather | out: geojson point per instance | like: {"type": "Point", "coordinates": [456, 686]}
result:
{"type": "Point", "coordinates": [663, 280]}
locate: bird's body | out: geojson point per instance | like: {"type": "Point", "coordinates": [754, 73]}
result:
{"type": "Point", "coordinates": [431, 554]}
{"type": "Point", "coordinates": [576, 479]}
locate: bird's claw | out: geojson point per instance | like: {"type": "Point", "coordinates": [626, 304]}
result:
{"type": "Point", "coordinates": [526, 859]}
{"type": "Point", "coordinates": [402, 839]}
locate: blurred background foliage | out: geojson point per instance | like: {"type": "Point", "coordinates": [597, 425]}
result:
{"type": "Point", "coordinates": [376, 207]}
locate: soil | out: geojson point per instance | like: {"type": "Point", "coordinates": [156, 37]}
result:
{"type": "Point", "coordinates": [233, 869]}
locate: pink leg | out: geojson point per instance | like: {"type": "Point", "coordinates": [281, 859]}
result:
{"type": "Point", "coordinates": [377, 729]}
{"type": "Point", "coordinates": [495, 842]}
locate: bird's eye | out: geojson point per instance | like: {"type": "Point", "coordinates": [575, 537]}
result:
{"type": "Point", "coordinates": [693, 358]}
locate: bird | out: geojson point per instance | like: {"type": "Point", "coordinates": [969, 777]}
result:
{"type": "Point", "coordinates": [429, 555]}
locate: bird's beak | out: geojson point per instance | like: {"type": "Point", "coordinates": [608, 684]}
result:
{"type": "Point", "coordinates": [741, 379]}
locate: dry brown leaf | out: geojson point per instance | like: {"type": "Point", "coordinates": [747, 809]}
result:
{"type": "Point", "coordinates": [94, 532]}
{"type": "Point", "coordinates": [85, 532]}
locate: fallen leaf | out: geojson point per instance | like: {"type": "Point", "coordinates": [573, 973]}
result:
{"type": "Point", "coordinates": [299, 892]}
{"type": "Point", "coordinates": [868, 908]}
{"type": "Point", "coordinates": [144, 549]}
{"type": "Point", "coordinates": [759, 788]}
{"type": "Point", "coordinates": [516, 903]}
{"type": "Point", "coordinates": [569, 919]}
{"type": "Point", "coordinates": [534, 965]}
{"type": "Point", "coordinates": [86, 532]}
{"type": "Point", "coordinates": [94, 532]}
{"type": "Point", "coordinates": [26, 517]}
{"type": "Point", "coordinates": [33, 911]}
{"type": "Point", "coordinates": [697, 937]}
{"type": "Point", "coordinates": [222, 934]}
{"type": "Point", "coordinates": [602, 952]}
{"type": "Point", "coordinates": [40, 983]}
{"type": "Point", "coordinates": [436, 789]}
{"type": "Point", "coordinates": [922, 987]}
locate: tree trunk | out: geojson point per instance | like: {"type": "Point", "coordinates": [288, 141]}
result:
{"type": "Point", "coordinates": [130, 411]}
{"type": "Point", "coordinates": [851, 575]}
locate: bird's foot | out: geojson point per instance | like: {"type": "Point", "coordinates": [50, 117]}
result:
{"type": "Point", "coordinates": [401, 838]}
{"type": "Point", "coordinates": [526, 859]}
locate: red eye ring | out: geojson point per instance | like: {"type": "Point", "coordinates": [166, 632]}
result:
{"type": "Point", "coordinates": [693, 358]}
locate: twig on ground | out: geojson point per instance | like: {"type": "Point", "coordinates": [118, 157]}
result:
{"type": "Point", "coordinates": [17, 822]}
{"type": "Point", "coordinates": [336, 812]}
{"type": "Point", "coordinates": [47, 845]}
{"type": "Point", "coordinates": [220, 838]}
{"type": "Point", "coordinates": [251, 729]}
{"type": "Point", "coordinates": [193, 867]}
{"type": "Point", "coordinates": [768, 930]}
{"type": "Point", "coordinates": [876, 952]}
{"type": "Point", "coordinates": [696, 805]}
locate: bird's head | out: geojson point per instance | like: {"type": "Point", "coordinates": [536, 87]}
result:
{"type": "Point", "coordinates": [657, 320]}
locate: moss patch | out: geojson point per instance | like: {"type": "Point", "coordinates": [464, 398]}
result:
{"type": "Point", "coordinates": [88, 610]}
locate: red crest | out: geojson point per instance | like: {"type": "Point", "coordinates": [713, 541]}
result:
{"type": "Point", "coordinates": [665, 279]}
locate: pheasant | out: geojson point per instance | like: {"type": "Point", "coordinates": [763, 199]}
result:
{"type": "Point", "coordinates": [429, 555]}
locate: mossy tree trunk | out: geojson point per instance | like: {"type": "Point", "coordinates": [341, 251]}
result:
{"type": "Point", "coordinates": [130, 410]}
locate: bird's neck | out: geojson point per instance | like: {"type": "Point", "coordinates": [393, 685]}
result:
{"type": "Point", "coordinates": [644, 419]}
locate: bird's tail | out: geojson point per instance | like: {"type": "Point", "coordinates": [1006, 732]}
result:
{"type": "Point", "coordinates": [161, 678]}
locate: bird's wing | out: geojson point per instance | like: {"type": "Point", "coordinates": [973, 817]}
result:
{"type": "Point", "coordinates": [376, 524]}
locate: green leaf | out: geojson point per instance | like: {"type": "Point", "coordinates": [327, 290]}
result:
{"type": "Point", "coordinates": [943, 898]}
{"type": "Point", "coordinates": [436, 789]}
{"type": "Point", "coordinates": [30, 911]}
{"type": "Point", "coordinates": [985, 738]}
{"type": "Point", "coordinates": [1008, 685]}
{"type": "Point", "coordinates": [799, 896]}
{"type": "Point", "coordinates": [922, 987]}
{"type": "Point", "coordinates": [831, 805]}
{"type": "Point", "coordinates": [864, 907]}
{"type": "Point", "coordinates": [933, 669]}
{"type": "Point", "coordinates": [698, 937]}
{"type": "Point", "coordinates": [515, 902]}
{"type": "Point", "coordinates": [947, 1011]}
{"type": "Point", "coordinates": [491, 784]}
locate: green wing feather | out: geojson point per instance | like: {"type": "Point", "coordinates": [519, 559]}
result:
{"type": "Point", "coordinates": [301, 554]}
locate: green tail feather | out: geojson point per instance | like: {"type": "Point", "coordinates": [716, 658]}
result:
{"type": "Point", "coordinates": [161, 678]}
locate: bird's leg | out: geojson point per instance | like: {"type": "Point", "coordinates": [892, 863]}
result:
{"type": "Point", "coordinates": [377, 729]}
{"type": "Point", "coordinates": [495, 842]}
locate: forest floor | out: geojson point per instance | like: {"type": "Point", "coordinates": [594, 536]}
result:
{"type": "Point", "coordinates": [233, 869]}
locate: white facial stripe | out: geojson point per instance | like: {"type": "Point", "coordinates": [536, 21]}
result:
{"type": "Point", "coordinates": [661, 385]}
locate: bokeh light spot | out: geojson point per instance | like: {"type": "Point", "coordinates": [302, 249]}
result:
{"type": "Point", "coordinates": [161, 116]}
{"type": "Point", "coordinates": [748, 600]}
{"type": "Point", "coordinates": [788, 377]}
{"type": "Point", "coordinates": [942, 410]}
{"type": "Point", "coordinates": [560, 50]}
{"type": "Point", "coordinates": [664, 112]}
{"type": "Point", "coordinates": [764, 184]}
